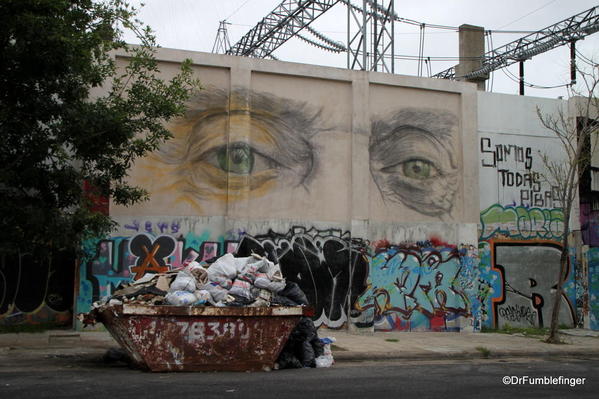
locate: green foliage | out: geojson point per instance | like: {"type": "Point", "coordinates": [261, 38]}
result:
{"type": "Point", "coordinates": [484, 351]}
{"type": "Point", "coordinates": [507, 329]}
{"type": "Point", "coordinates": [69, 115]}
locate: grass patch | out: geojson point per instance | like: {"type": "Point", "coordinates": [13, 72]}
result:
{"type": "Point", "coordinates": [485, 352]}
{"type": "Point", "coordinates": [507, 329]}
{"type": "Point", "coordinates": [31, 328]}
{"type": "Point", "coordinates": [391, 339]}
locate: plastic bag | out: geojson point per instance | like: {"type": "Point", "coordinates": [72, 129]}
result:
{"type": "Point", "coordinates": [217, 292]}
{"type": "Point", "coordinates": [291, 295]}
{"type": "Point", "coordinates": [223, 268]}
{"type": "Point", "coordinates": [262, 281]}
{"type": "Point", "coordinates": [241, 287]}
{"type": "Point", "coordinates": [180, 298]}
{"type": "Point", "coordinates": [326, 359]}
{"type": "Point", "coordinates": [202, 296]}
{"type": "Point", "coordinates": [184, 281]}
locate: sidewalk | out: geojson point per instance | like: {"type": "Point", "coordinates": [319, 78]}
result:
{"type": "Point", "coordinates": [375, 346]}
{"type": "Point", "coordinates": [447, 345]}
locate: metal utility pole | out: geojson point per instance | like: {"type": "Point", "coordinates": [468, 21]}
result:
{"type": "Point", "coordinates": [221, 43]}
{"type": "Point", "coordinates": [521, 77]}
{"type": "Point", "coordinates": [370, 31]}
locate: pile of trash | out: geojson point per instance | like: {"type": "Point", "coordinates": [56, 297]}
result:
{"type": "Point", "coordinates": [228, 281]}
{"type": "Point", "coordinates": [231, 281]}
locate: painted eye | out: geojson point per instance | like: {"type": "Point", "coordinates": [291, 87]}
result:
{"type": "Point", "coordinates": [238, 159]}
{"type": "Point", "coordinates": [418, 169]}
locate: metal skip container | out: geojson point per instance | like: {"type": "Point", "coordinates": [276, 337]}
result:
{"type": "Point", "coordinates": [197, 338]}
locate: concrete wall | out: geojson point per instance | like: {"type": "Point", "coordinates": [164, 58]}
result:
{"type": "Point", "coordinates": [396, 203]}
{"type": "Point", "coordinates": [364, 184]}
{"type": "Point", "coordinates": [521, 220]}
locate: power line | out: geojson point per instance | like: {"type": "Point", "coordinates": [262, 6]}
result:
{"type": "Point", "coordinates": [238, 8]}
{"type": "Point", "coordinates": [574, 28]}
{"type": "Point", "coordinates": [532, 12]}
{"type": "Point", "coordinates": [514, 78]}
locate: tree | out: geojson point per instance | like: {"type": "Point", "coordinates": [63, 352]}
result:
{"type": "Point", "coordinates": [576, 130]}
{"type": "Point", "coordinates": [56, 137]}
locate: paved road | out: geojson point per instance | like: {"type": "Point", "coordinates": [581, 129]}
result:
{"type": "Point", "coordinates": [77, 374]}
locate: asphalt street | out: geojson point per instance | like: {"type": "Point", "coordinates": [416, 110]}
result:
{"type": "Point", "coordinates": [83, 374]}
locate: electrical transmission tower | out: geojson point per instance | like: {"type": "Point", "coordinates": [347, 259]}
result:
{"type": "Point", "coordinates": [221, 43]}
{"type": "Point", "coordinates": [370, 32]}
{"type": "Point", "coordinates": [567, 31]}
{"type": "Point", "coordinates": [370, 36]}
{"type": "Point", "coordinates": [285, 21]}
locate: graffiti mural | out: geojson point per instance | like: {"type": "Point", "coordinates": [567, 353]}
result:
{"type": "Point", "coordinates": [593, 291]}
{"type": "Point", "coordinates": [421, 287]}
{"type": "Point", "coordinates": [519, 222]}
{"type": "Point", "coordinates": [36, 290]}
{"type": "Point", "coordinates": [527, 278]}
{"type": "Point", "coordinates": [328, 265]}
{"type": "Point", "coordinates": [124, 259]}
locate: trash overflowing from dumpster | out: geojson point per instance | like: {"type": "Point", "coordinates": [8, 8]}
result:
{"type": "Point", "coordinates": [232, 313]}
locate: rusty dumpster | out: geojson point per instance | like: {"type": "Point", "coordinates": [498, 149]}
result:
{"type": "Point", "coordinates": [197, 338]}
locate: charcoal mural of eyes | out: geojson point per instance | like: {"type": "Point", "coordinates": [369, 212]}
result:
{"type": "Point", "coordinates": [229, 144]}
{"type": "Point", "coordinates": [412, 161]}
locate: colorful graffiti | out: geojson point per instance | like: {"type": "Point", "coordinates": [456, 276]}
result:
{"type": "Point", "coordinates": [35, 290]}
{"type": "Point", "coordinates": [328, 265]}
{"type": "Point", "coordinates": [122, 259]}
{"type": "Point", "coordinates": [521, 277]}
{"type": "Point", "coordinates": [420, 287]}
{"type": "Point", "coordinates": [519, 222]}
{"type": "Point", "coordinates": [593, 292]}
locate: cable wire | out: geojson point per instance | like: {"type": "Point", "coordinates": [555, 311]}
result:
{"type": "Point", "coordinates": [514, 78]}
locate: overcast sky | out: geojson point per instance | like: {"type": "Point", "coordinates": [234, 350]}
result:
{"type": "Point", "coordinates": [193, 25]}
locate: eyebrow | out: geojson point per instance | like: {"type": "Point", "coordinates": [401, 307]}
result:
{"type": "Point", "coordinates": [436, 124]}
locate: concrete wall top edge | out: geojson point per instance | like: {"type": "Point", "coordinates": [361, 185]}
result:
{"type": "Point", "coordinates": [307, 70]}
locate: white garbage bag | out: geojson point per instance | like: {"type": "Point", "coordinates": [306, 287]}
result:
{"type": "Point", "coordinates": [180, 298]}
{"type": "Point", "coordinates": [184, 281]}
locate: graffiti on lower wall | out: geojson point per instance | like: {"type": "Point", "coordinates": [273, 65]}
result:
{"type": "Point", "coordinates": [35, 290]}
{"type": "Point", "coordinates": [123, 259]}
{"type": "Point", "coordinates": [593, 261]}
{"type": "Point", "coordinates": [520, 222]}
{"type": "Point", "coordinates": [421, 287]}
{"type": "Point", "coordinates": [519, 253]}
{"type": "Point", "coordinates": [529, 274]}
{"type": "Point", "coordinates": [328, 265]}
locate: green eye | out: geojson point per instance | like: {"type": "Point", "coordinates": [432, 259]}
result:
{"type": "Point", "coordinates": [239, 159]}
{"type": "Point", "coordinates": [418, 169]}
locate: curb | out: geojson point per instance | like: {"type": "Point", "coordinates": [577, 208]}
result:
{"type": "Point", "coordinates": [341, 356]}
